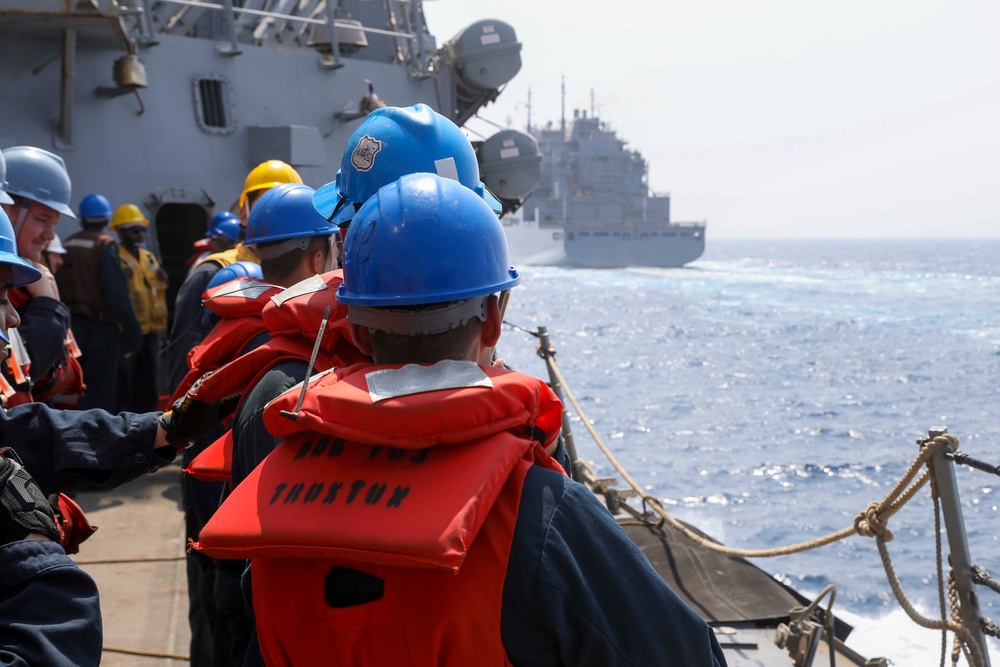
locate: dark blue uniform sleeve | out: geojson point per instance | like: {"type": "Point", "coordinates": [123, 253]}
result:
{"type": "Point", "coordinates": [251, 441]}
{"type": "Point", "coordinates": [50, 613]}
{"type": "Point", "coordinates": [44, 322]}
{"type": "Point", "coordinates": [578, 592]}
{"type": "Point", "coordinates": [114, 286]}
{"type": "Point", "coordinates": [76, 450]}
{"type": "Point", "coordinates": [188, 329]}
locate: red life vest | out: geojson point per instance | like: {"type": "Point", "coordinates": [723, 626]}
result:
{"type": "Point", "coordinates": [215, 462]}
{"type": "Point", "coordinates": [293, 318]}
{"type": "Point", "coordinates": [420, 490]}
{"type": "Point", "coordinates": [239, 303]}
{"type": "Point", "coordinates": [72, 524]}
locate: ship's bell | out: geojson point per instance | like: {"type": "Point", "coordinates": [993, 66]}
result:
{"type": "Point", "coordinates": [130, 72]}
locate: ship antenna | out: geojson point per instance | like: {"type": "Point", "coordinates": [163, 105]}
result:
{"type": "Point", "coordinates": [562, 122]}
{"type": "Point", "coordinates": [592, 114]}
{"type": "Point", "coordinates": [529, 110]}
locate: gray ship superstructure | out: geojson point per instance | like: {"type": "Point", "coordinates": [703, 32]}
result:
{"type": "Point", "coordinates": [169, 103]}
{"type": "Point", "coordinates": [594, 204]}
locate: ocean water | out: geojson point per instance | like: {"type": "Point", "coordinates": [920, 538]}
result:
{"type": "Point", "coordinates": [769, 391]}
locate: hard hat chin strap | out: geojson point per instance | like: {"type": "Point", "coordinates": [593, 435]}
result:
{"type": "Point", "coordinates": [278, 249]}
{"type": "Point", "coordinates": [432, 320]}
{"type": "Point", "coordinates": [22, 214]}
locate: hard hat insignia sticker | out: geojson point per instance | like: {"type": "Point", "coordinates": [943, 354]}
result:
{"type": "Point", "coordinates": [363, 157]}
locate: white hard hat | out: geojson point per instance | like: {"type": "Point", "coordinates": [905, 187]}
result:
{"type": "Point", "coordinates": [56, 246]}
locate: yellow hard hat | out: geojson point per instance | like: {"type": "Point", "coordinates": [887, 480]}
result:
{"type": "Point", "coordinates": [268, 174]}
{"type": "Point", "coordinates": [128, 214]}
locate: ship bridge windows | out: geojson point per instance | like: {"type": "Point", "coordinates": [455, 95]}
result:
{"type": "Point", "coordinates": [213, 104]}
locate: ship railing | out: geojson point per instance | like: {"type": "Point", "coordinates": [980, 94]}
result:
{"type": "Point", "coordinates": [934, 466]}
{"type": "Point", "coordinates": [589, 224]}
{"type": "Point", "coordinates": [252, 21]}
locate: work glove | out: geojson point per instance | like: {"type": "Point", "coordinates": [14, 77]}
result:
{"type": "Point", "coordinates": [189, 418]}
{"type": "Point", "coordinates": [24, 508]}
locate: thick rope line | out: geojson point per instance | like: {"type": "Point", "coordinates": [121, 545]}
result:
{"type": "Point", "coordinates": [119, 561]}
{"type": "Point", "coordinates": [147, 654]}
{"type": "Point", "coordinates": [869, 523]}
{"type": "Point", "coordinates": [975, 657]}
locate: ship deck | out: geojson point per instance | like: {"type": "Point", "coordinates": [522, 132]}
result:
{"type": "Point", "coordinates": [137, 559]}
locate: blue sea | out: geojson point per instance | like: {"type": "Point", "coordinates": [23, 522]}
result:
{"type": "Point", "coordinates": [769, 391]}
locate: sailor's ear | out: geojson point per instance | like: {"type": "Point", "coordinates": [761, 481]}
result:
{"type": "Point", "coordinates": [493, 324]}
{"type": "Point", "coordinates": [362, 339]}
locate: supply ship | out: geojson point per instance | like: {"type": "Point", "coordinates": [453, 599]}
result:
{"type": "Point", "coordinates": [594, 205]}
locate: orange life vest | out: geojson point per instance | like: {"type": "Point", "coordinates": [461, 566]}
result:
{"type": "Point", "coordinates": [239, 303]}
{"type": "Point", "coordinates": [419, 489]}
{"type": "Point", "coordinates": [293, 318]}
{"type": "Point", "coordinates": [64, 379]}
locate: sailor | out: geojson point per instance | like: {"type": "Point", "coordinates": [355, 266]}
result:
{"type": "Point", "coordinates": [50, 613]}
{"type": "Point", "coordinates": [187, 330]}
{"type": "Point", "coordinates": [39, 188]}
{"type": "Point", "coordinates": [53, 256]}
{"type": "Point", "coordinates": [410, 140]}
{"type": "Point", "coordinates": [63, 451]}
{"type": "Point", "coordinates": [214, 298]}
{"type": "Point", "coordinates": [225, 231]}
{"type": "Point", "coordinates": [69, 450]}
{"type": "Point", "coordinates": [94, 288]}
{"type": "Point", "coordinates": [425, 476]}
{"type": "Point", "coordinates": [392, 142]}
{"type": "Point", "coordinates": [293, 242]}
{"type": "Point", "coordinates": [138, 379]}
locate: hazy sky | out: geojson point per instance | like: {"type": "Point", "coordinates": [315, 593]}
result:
{"type": "Point", "coordinates": [780, 118]}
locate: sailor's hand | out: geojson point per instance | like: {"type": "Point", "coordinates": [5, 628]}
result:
{"type": "Point", "coordinates": [46, 286]}
{"type": "Point", "coordinates": [189, 418]}
{"type": "Point", "coordinates": [25, 512]}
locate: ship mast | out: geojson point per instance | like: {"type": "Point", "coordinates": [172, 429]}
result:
{"type": "Point", "coordinates": [529, 111]}
{"type": "Point", "coordinates": [562, 121]}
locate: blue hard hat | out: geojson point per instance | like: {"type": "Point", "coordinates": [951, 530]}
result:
{"type": "Point", "coordinates": [392, 142]}
{"type": "Point", "coordinates": [285, 212]}
{"type": "Point", "coordinates": [4, 197]}
{"type": "Point", "coordinates": [225, 224]}
{"type": "Point", "coordinates": [24, 272]}
{"type": "Point", "coordinates": [95, 207]}
{"type": "Point", "coordinates": [39, 176]}
{"type": "Point", "coordinates": [422, 240]}
{"type": "Point", "coordinates": [235, 270]}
